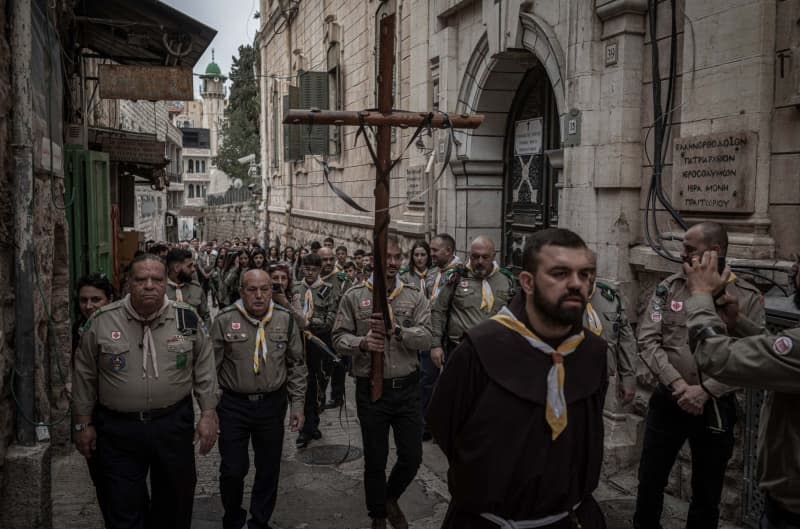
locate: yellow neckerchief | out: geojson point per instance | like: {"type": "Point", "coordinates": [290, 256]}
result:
{"type": "Point", "coordinates": [337, 268]}
{"type": "Point", "coordinates": [177, 287]}
{"type": "Point", "coordinates": [261, 337]}
{"type": "Point", "coordinates": [595, 325]}
{"type": "Point", "coordinates": [308, 299]}
{"type": "Point", "coordinates": [487, 295]}
{"type": "Point", "coordinates": [440, 274]}
{"type": "Point", "coordinates": [398, 287]}
{"type": "Point", "coordinates": [149, 348]}
{"type": "Point", "coordinates": [329, 276]}
{"type": "Point", "coordinates": [421, 275]}
{"type": "Point", "coordinates": [556, 411]}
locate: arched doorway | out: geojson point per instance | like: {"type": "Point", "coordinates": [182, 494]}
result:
{"type": "Point", "coordinates": [530, 201]}
{"type": "Point", "coordinates": [510, 86]}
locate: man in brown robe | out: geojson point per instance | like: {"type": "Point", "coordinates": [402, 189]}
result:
{"type": "Point", "coordinates": [518, 410]}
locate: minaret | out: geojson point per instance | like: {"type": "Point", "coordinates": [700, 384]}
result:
{"type": "Point", "coordinates": [213, 94]}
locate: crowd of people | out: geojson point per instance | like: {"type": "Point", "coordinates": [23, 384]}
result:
{"type": "Point", "coordinates": [508, 374]}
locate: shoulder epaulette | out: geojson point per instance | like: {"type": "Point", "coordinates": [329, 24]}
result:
{"type": "Point", "coordinates": [454, 273]}
{"type": "Point", "coordinates": [508, 273]}
{"type": "Point", "coordinates": [282, 308]}
{"type": "Point", "coordinates": [183, 305]}
{"type": "Point", "coordinates": [746, 285]}
{"type": "Point", "coordinates": [606, 290]}
{"type": "Point", "coordinates": [230, 308]}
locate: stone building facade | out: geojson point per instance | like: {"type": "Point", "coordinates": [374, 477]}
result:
{"type": "Point", "coordinates": [570, 130]}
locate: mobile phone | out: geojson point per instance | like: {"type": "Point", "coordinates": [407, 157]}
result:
{"type": "Point", "coordinates": [277, 288]}
{"type": "Point", "coordinates": [721, 263]}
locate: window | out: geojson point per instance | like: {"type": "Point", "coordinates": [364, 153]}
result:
{"type": "Point", "coordinates": [203, 165]}
{"type": "Point", "coordinates": [191, 165]}
{"type": "Point", "coordinates": [314, 94]}
{"type": "Point", "coordinates": [191, 190]}
{"type": "Point", "coordinates": [434, 102]}
{"type": "Point", "coordinates": [203, 191]}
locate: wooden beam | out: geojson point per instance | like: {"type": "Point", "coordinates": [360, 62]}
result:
{"type": "Point", "coordinates": [394, 119]}
{"type": "Point", "coordinates": [384, 162]}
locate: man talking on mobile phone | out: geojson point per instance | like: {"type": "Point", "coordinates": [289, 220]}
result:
{"type": "Point", "coordinates": [685, 405]}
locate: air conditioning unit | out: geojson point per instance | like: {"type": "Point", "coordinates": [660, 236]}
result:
{"type": "Point", "coordinates": [73, 134]}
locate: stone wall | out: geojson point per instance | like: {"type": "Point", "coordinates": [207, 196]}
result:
{"type": "Point", "coordinates": [6, 242]}
{"type": "Point", "coordinates": [240, 219]}
{"type": "Point", "coordinates": [52, 333]}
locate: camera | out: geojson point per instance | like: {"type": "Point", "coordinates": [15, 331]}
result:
{"type": "Point", "coordinates": [277, 288]}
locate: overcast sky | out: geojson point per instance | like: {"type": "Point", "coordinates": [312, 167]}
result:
{"type": "Point", "coordinates": [235, 25]}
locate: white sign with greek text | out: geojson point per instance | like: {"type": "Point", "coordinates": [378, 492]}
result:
{"type": "Point", "coordinates": [528, 137]}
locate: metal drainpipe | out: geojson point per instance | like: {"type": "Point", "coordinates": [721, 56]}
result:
{"type": "Point", "coordinates": [289, 199]}
{"type": "Point", "coordinates": [22, 147]}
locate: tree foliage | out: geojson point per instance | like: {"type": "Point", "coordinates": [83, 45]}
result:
{"type": "Point", "coordinates": [240, 131]}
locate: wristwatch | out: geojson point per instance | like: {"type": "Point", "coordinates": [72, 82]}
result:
{"type": "Point", "coordinates": [81, 426]}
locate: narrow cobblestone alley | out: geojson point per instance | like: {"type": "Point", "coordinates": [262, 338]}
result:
{"type": "Point", "coordinates": [327, 496]}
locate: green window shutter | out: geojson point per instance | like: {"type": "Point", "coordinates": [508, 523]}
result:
{"type": "Point", "coordinates": [98, 213]}
{"type": "Point", "coordinates": [314, 94]}
{"type": "Point", "coordinates": [293, 148]}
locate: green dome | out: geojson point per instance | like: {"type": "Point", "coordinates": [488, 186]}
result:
{"type": "Point", "coordinates": [213, 69]}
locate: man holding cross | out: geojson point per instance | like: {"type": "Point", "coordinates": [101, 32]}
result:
{"type": "Point", "coordinates": [381, 336]}
{"type": "Point", "coordinates": [358, 332]}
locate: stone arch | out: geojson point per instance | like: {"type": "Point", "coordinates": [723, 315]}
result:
{"type": "Point", "coordinates": [489, 84]}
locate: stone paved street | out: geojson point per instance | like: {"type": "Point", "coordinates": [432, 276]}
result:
{"type": "Point", "coordinates": [326, 496]}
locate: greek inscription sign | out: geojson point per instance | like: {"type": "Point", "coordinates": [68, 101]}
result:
{"type": "Point", "coordinates": [414, 185]}
{"type": "Point", "coordinates": [715, 173]}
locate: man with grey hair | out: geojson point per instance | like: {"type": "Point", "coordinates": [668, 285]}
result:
{"type": "Point", "coordinates": [471, 293]}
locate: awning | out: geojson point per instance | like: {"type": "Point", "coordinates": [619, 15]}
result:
{"type": "Point", "coordinates": [144, 32]}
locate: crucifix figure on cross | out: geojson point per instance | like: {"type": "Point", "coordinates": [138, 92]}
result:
{"type": "Point", "coordinates": [383, 119]}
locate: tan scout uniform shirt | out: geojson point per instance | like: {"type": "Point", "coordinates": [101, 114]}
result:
{"type": "Point", "coordinates": [616, 331]}
{"type": "Point", "coordinates": [663, 337]}
{"type": "Point", "coordinates": [205, 262]}
{"type": "Point", "coordinates": [234, 339]}
{"type": "Point", "coordinates": [411, 313]}
{"type": "Point", "coordinates": [765, 362]}
{"type": "Point", "coordinates": [412, 277]}
{"type": "Point", "coordinates": [340, 282]}
{"type": "Point", "coordinates": [461, 298]}
{"type": "Point", "coordinates": [193, 295]}
{"type": "Point", "coordinates": [108, 363]}
{"type": "Point", "coordinates": [326, 300]}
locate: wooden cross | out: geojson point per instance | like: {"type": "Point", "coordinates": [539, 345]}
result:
{"type": "Point", "coordinates": [384, 119]}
